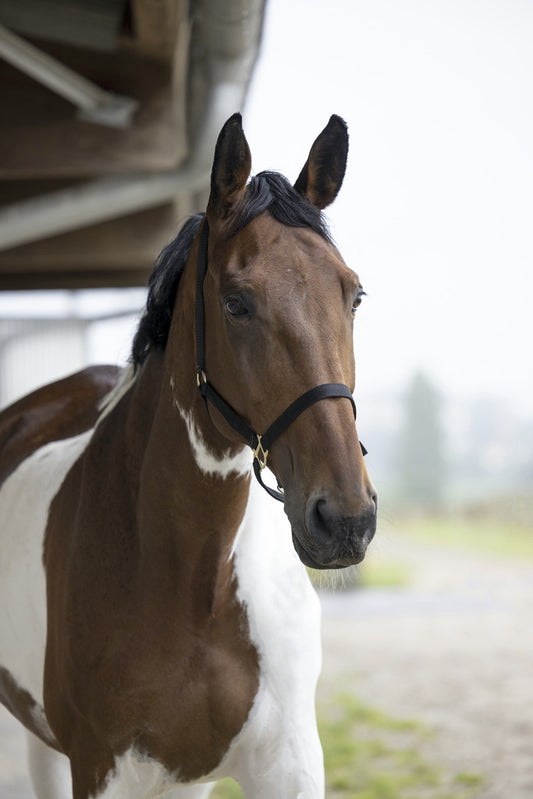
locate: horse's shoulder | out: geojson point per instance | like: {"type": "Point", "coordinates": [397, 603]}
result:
{"type": "Point", "coordinates": [57, 411]}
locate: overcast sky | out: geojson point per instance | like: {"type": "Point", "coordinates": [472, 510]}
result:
{"type": "Point", "coordinates": [436, 210]}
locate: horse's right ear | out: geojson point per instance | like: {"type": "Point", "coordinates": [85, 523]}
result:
{"type": "Point", "coordinates": [231, 168]}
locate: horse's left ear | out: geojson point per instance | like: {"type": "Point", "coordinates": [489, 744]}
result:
{"type": "Point", "coordinates": [323, 173]}
{"type": "Point", "coordinates": [231, 168]}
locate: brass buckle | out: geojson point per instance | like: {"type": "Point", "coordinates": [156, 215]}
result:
{"type": "Point", "coordinates": [201, 377]}
{"type": "Point", "coordinates": [260, 454]}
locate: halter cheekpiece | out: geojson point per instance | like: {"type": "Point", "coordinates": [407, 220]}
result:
{"type": "Point", "coordinates": [260, 444]}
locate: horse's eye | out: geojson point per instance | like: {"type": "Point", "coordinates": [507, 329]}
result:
{"type": "Point", "coordinates": [235, 306]}
{"type": "Point", "coordinates": [357, 300]}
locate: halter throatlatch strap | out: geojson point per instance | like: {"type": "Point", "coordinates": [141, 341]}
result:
{"type": "Point", "coordinates": [201, 270]}
{"type": "Point", "coordinates": [260, 444]}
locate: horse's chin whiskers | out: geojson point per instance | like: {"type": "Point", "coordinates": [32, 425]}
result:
{"type": "Point", "coordinates": [330, 580]}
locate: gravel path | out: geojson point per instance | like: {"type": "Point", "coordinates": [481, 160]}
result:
{"type": "Point", "coordinates": [455, 650]}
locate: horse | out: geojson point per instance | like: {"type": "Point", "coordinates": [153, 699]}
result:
{"type": "Point", "coordinates": [158, 629]}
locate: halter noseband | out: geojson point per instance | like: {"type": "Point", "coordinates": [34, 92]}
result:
{"type": "Point", "coordinates": [260, 444]}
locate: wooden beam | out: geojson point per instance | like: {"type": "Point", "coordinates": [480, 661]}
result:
{"type": "Point", "coordinates": [120, 252]}
{"type": "Point", "coordinates": [156, 25]}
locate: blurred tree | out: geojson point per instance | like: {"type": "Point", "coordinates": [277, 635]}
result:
{"type": "Point", "coordinates": [421, 461]}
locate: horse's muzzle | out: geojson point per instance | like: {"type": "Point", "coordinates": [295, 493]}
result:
{"type": "Point", "coordinates": [331, 539]}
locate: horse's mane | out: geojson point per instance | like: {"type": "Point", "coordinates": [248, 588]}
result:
{"type": "Point", "coordinates": [267, 191]}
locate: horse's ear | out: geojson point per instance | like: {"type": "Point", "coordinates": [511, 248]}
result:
{"type": "Point", "coordinates": [323, 173]}
{"type": "Point", "coordinates": [231, 168]}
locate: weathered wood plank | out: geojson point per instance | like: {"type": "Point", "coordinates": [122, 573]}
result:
{"type": "Point", "coordinates": [115, 253]}
{"type": "Point", "coordinates": [156, 25]}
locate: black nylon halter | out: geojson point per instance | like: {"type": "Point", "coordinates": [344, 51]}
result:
{"type": "Point", "coordinates": [260, 444]}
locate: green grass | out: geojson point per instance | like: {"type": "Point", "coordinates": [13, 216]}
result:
{"type": "Point", "coordinates": [371, 755]}
{"type": "Point", "coordinates": [490, 536]}
{"type": "Point", "coordinates": [226, 789]}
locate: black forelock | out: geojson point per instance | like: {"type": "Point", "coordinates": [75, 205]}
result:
{"type": "Point", "coordinates": [267, 191]}
{"type": "Point", "coordinates": [272, 192]}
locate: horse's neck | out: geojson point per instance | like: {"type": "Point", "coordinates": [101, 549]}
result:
{"type": "Point", "coordinates": [192, 487]}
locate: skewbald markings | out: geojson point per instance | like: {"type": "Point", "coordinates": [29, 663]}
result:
{"type": "Point", "coordinates": [207, 461]}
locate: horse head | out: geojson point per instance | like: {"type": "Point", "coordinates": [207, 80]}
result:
{"type": "Point", "coordinates": [279, 312]}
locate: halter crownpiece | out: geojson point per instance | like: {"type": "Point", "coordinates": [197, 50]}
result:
{"type": "Point", "coordinates": [260, 444]}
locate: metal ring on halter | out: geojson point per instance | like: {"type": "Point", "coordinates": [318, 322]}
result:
{"type": "Point", "coordinates": [260, 454]}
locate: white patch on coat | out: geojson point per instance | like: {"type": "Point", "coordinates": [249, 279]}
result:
{"type": "Point", "coordinates": [25, 498]}
{"type": "Point", "coordinates": [207, 461]}
{"type": "Point", "coordinates": [137, 776]}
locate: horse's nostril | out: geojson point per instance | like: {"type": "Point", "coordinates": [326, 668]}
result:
{"type": "Point", "coordinates": [325, 521]}
{"type": "Point", "coordinates": [337, 535]}
{"type": "Point", "coordinates": [317, 519]}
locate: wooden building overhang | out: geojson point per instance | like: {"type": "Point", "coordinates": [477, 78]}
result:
{"type": "Point", "coordinates": [96, 174]}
